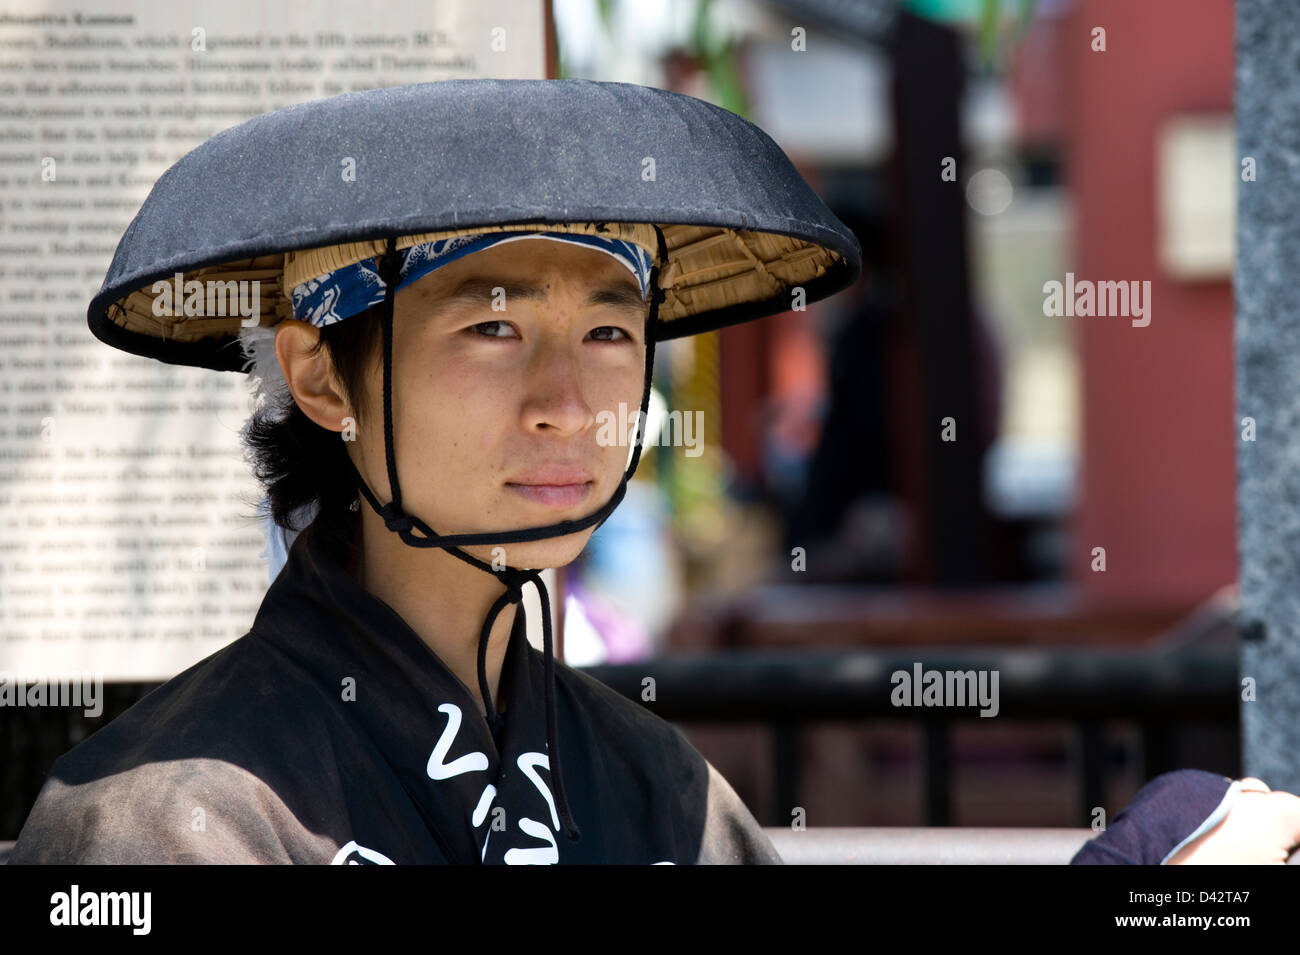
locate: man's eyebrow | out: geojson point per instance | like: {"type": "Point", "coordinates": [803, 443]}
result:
{"type": "Point", "coordinates": [477, 291]}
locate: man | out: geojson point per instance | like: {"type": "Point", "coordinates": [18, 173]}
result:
{"type": "Point", "coordinates": [478, 315]}
{"type": "Point", "coordinates": [498, 420]}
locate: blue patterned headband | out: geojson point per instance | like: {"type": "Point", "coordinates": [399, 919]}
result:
{"type": "Point", "coordinates": [352, 289]}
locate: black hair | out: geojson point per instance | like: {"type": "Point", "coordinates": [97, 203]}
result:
{"type": "Point", "coordinates": [300, 463]}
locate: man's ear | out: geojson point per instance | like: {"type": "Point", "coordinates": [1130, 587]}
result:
{"type": "Point", "coordinates": [310, 374]}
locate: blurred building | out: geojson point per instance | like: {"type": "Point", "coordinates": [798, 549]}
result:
{"type": "Point", "coordinates": [1087, 499]}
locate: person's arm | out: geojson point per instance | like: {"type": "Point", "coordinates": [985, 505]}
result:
{"type": "Point", "coordinates": [732, 836]}
{"type": "Point", "coordinates": [173, 812]}
{"type": "Point", "coordinates": [1191, 816]}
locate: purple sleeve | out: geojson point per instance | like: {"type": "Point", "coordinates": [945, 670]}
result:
{"type": "Point", "coordinates": [1165, 814]}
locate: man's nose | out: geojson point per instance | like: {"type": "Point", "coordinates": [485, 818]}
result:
{"type": "Point", "coordinates": [555, 395]}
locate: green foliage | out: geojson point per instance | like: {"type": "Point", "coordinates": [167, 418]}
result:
{"type": "Point", "coordinates": [992, 14]}
{"type": "Point", "coordinates": [718, 56]}
{"type": "Point", "coordinates": [716, 53]}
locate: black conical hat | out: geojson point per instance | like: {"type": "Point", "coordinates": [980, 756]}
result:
{"type": "Point", "coordinates": [742, 227]}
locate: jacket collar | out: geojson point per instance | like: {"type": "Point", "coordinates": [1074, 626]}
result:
{"type": "Point", "coordinates": [419, 714]}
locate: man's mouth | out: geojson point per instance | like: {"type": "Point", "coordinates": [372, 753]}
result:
{"type": "Point", "coordinates": [553, 495]}
{"type": "Point", "coordinates": [554, 485]}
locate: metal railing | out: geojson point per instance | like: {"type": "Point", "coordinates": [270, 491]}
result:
{"type": "Point", "coordinates": [1158, 690]}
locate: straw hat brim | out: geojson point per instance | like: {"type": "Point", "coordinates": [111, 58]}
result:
{"type": "Point", "coordinates": [708, 270]}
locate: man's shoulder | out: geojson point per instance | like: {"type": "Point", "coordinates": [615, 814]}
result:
{"type": "Point", "coordinates": [191, 810]}
{"type": "Point", "coordinates": [652, 755]}
{"type": "Point", "coordinates": [210, 766]}
{"type": "Point", "coordinates": [220, 707]}
{"type": "Point", "coordinates": [662, 760]}
{"type": "Point", "coordinates": [615, 715]}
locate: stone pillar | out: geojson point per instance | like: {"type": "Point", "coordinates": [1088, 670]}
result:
{"type": "Point", "coordinates": [1268, 385]}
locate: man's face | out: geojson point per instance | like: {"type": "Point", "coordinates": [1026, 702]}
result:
{"type": "Point", "coordinates": [495, 410]}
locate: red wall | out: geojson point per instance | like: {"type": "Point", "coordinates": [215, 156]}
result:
{"type": "Point", "coordinates": [1158, 466]}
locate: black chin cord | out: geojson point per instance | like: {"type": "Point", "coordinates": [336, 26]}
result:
{"type": "Point", "coordinates": [512, 578]}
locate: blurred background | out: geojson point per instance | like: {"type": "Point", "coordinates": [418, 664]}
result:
{"type": "Point", "coordinates": [933, 467]}
{"type": "Point", "coordinates": [1076, 530]}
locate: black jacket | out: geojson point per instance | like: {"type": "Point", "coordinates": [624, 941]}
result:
{"type": "Point", "coordinates": [331, 733]}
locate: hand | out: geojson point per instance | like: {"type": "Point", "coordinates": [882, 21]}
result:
{"type": "Point", "coordinates": [1261, 829]}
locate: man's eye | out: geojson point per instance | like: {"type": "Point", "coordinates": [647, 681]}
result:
{"type": "Point", "coordinates": [605, 333]}
{"type": "Point", "coordinates": [492, 329]}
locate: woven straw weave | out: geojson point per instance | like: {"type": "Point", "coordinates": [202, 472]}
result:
{"type": "Point", "coordinates": [708, 268]}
